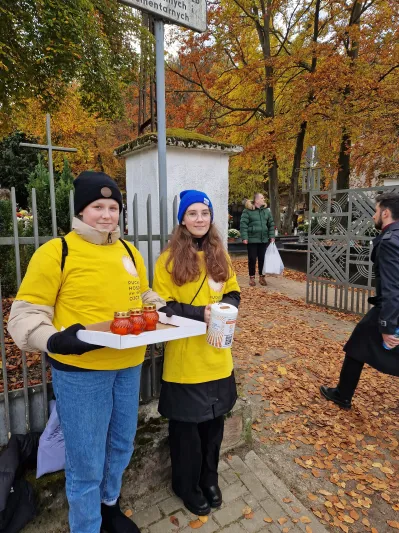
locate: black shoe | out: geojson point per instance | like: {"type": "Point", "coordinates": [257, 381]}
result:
{"type": "Point", "coordinates": [332, 394]}
{"type": "Point", "coordinates": [214, 495]}
{"type": "Point", "coordinates": [200, 506]}
{"type": "Point", "coordinates": [114, 521]}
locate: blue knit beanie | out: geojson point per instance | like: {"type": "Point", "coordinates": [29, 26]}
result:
{"type": "Point", "coordinates": [190, 197]}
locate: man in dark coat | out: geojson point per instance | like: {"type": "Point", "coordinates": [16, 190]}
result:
{"type": "Point", "coordinates": [379, 325]}
{"type": "Point", "coordinates": [257, 229]}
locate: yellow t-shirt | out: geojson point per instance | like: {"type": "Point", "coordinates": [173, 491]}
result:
{"type": "Point", "coordinates": [193, 360]}
{"type": "Point", "coordinates": [96, 282]}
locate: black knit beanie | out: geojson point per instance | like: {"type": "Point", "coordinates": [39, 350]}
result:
{"type": "Point", "coordinates": [91, 186]}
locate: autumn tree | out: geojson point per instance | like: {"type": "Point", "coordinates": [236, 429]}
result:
{"type": "Point", "coordinates": [44, 46]}
{"type": "Point", "coordinates": [235, 60]}
{"type": "Point", "coordinates": [354, 113]}
{"type": "Point", "coordinates": [93, 136]}
{"type": "Point", "coordinates": [243, 66]}
{"type": "Point", "coordinates": [328, 75]}
{"type": "Point", "coordinates": [368, 43]}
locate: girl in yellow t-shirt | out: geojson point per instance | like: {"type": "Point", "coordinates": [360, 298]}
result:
{"type": "Point", "coordinates": [198, 386]}
{"type": "Point", "coordinates": [68, 285]}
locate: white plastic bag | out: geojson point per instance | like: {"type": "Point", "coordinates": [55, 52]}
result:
{"type": "Point", "coordinates": [51, 452]}
{"type": "Point", "coordinates": [273, 263]}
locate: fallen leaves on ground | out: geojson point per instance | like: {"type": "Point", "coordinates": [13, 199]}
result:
{"type": "Point", "coordinates": [350, 459]}
{"type": "Point", "coordinates": [128, 513]}
{"type": "Point", "coordinates": [247, 512]}
{"type": "Point", "coordinates": [241, 268]}
{"type": "Point", "coordinates": [198, 522]}
{"type": "Point", "coordinates": [195, 524]}
{"type": "Point", "coordinates": [174, 520]}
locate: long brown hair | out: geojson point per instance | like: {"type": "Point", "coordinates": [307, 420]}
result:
{"type": "Point", "coordinates": [186, 263]}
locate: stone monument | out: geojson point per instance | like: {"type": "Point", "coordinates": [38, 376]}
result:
{"type": "Point", "coordinates": [194, 161]}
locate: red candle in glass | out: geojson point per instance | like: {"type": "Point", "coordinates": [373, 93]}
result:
{"type": "Point", "coordinates": [137, 322]}
{"type": "Point", "coordinates": [121, 323]}
{"type": "Point", "coordinates": [151, 317]}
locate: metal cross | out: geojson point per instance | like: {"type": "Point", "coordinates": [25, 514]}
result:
{"type": "Point", "coordinates": [50, 150]}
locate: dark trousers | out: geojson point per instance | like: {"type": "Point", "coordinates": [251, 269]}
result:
{"type": "Point", "coordinates": [194, 451]}
{"type": "Point", "coordinates": [256, 250]}
{"type": "Point", "coordinates": [349, 377]}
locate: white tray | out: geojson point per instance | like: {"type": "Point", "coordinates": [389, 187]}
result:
{"type": "Point", "coordinates": [168, 329]}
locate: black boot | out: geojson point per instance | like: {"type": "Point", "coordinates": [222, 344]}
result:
{"type": "Point", "coordinates": [213, 495]}
{"type": "Point", "coordinates": [200, 507]}
{"type": "Point", "coordinates": [114, 521]}
{"type": "Point", "coordinates": [332, 394]}
{"type": "Point", "coordinates": [197, 505]}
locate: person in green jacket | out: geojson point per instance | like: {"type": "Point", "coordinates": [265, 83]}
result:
{"type": "Point", "coordinates": [257, 231]}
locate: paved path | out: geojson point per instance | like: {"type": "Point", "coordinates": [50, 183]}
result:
{"type": "Point", "coordinates": [246, 482]}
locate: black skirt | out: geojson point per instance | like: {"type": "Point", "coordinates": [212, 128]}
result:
{"type": "Point", "coordinates": [365, 345]}
{"type": "Point", "coordinates": [197, 402]}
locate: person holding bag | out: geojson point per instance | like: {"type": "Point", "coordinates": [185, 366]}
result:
{"type": "Point", "coordinates": [257, 229]}
{"type": "Point", "coordinates": [71, 282]}
{"type": "Point", "coordinates": [198, 385]}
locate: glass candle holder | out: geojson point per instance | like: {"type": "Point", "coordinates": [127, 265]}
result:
{"type": "Point", "coordinates": [137, 322]}
{"type": "Point", "coordinates": [121, 323]}
{"type": "Point", "coordinates": [151, 317]}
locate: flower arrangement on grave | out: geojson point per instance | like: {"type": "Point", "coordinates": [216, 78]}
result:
{"type": "Point", "coordinates": [24, 216]}
{"type": "Point", "coordinates": [233, 233]}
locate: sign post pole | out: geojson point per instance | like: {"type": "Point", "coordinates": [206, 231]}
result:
{"type": "Point", "coordinates": [161, 125]}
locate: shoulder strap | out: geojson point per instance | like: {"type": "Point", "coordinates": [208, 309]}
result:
{"type": "Point", "coordinates": [64, 252]}
{"type": "Point", "coordinates": [196, 294]}
{"type": "Point", "coordinates": [129, 250]}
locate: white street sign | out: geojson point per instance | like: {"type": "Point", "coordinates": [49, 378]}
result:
{"type": "Point", "coordinates": [188, 13]}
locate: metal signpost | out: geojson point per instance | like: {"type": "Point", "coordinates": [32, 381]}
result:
{"type": "Point", "coordinates": [49, 147]}
{"type": "Point", "coordinates": [189, 14]}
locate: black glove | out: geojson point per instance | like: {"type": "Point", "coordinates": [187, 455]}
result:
{"type": "Point", "coordinates": [66, 342]}
{"type": "Point", "coordinates": [167, 310]}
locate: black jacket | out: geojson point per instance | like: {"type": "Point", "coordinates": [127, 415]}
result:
{"type": "Point", "coordinates": [385, 257]}
{"type": "Point", "coordinates": [365, 343]}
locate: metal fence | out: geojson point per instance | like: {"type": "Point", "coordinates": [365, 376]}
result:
{"type": "Point", "coordinates": [341, 229]}
{"type": "Point", "coordinates": [26, 409]}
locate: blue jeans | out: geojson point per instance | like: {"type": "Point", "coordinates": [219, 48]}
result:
{"type": "Point", "coordinates": [98, 414]}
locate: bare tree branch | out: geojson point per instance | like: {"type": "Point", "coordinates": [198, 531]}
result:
{"type": "Point", "coordinates": [227, 52]}
{"type": "Point", "coordinates": [381, 78]}
{"type": "Point", "coordinates": [199, 83]}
